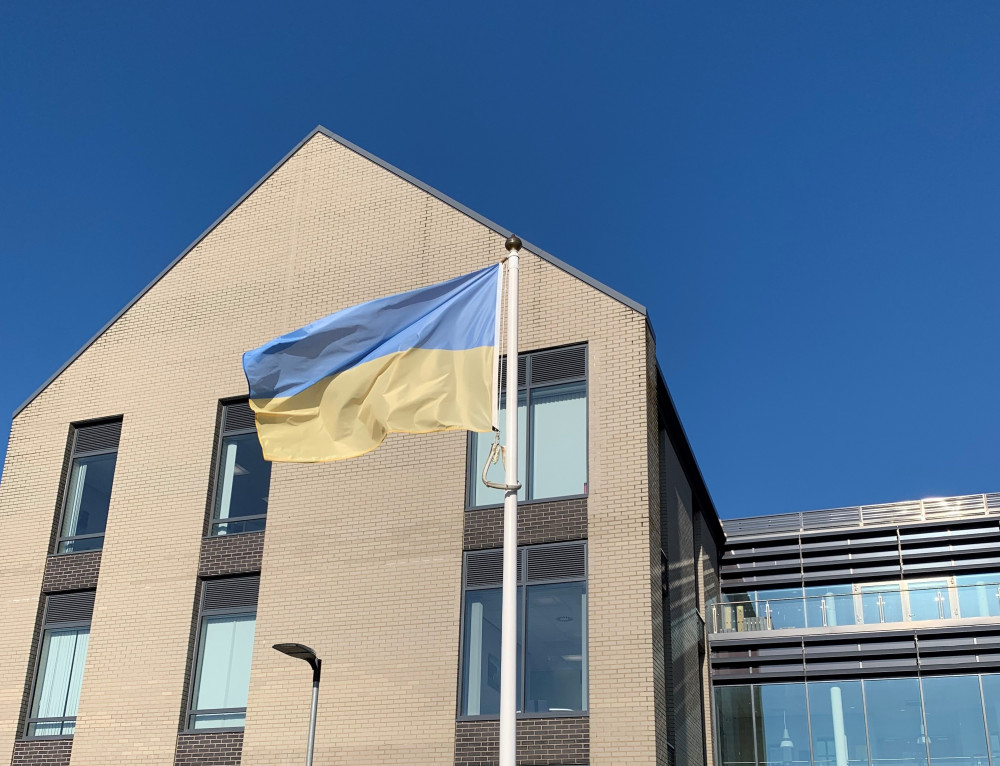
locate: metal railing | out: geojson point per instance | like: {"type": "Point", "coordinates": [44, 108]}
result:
{"type": "Point", "coordinates": [906, 512]}
{"type": "Point", "coordinates": [863, 606]}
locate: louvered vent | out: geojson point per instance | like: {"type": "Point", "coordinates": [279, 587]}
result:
{"type": "Point", "coordinates": [100, 436]}
{"type": "Point", "coordinates": [69, 607]}
{"type": "Point", "coordinates": [559, 364]}
{"type": "Point", "coordinates": [557, 562]}
{"type": "Point", "coordinates": [522, 371]}
{"type": "Point", "coordinates": [238, 417]}
{"type": "Point", "coordinates": [483, 568]}
{"type": "Point", "coordinates": [231, 593]}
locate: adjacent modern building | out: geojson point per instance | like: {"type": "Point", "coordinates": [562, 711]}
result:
{"type": "Point", "coordinates": [863, 635]}
{"type": "Point", "coordinates": [153, 557]}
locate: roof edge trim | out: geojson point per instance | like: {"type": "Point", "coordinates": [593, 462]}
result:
{"type": "Point", "coordinates": [319, 129]}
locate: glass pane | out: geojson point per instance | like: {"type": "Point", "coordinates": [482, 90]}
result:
{"type": "Point", "coordinates": [735, 720]}
{"type": "Point", "coordinates": [481, 652]}
{"type": "Point", "coordinates": [837, 715]}
{"type": "Point", "coordinates": [829, 605]}
{"type": "Point", "coordinates": [881, 602]}
{"type": "Point", "coordinates": [89, 495]}
{"type": "Point", "coordinates": [559, 446]}
{"type": "Point", "coordinates": [224, 665]}
{"type": "Point", "coordinates": [781, 717]}
{"type": "Point", "coordinates": [954, 712]}
{"type": "Point", "coordinates": [979, 595]}
{"type": "Point", "coordinates": [929, 599]}
{"type": "Point", "coordinates": [244, 479]}
{"type": "Point", "coordinates": [782, 608]}
{"type": "Point", "coordinates": [991, 701]}
{"type": "Point", "coordinates": [82, 544]}
{"type": "Point", "coordinates": [481, 494]}
{"type": "Point", "coordinates": [235, 527]}
{"type": "Point", "coordinates": [554, 656]}
{"type": "Point", "coordinates": [218, 720]}
{"type": "Point", "coordinates": [895, 725]}
{"type": "Point", "coordinates": [60, 675]}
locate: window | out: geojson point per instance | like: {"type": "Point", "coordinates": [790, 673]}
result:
{"type": "Point", "coordinates": [552, 429]}
{"type": "Point", "coordinates": [87, 494]}
{"type": "Point", "coordinates": [242, 476]}
{"type": "Point", "coordinates": [225, 646]}
{"type": "Point", "coordinates": [552, 630]}
{"type": "Point", "coordinates": [61, 657]}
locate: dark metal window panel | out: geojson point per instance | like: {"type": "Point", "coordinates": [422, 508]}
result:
{"type": "Point", "coordinates": [522, 371]}
{"type": "Point", "coordinates": [557, 562]}
{"type": "Point", "coordinates": [230, 594]}
{"type": "Point", "coordinates": [237, 416]}
{"type": "Point", "coordinates": [484, 569]}
{"type": "Point", "coordinates": [61, 608]}
{"type": "Point", "coordinates": [98, 437]}
{"type": "Point", "coordinates": [558, 365]}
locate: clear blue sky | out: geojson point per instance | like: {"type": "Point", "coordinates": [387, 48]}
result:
{"type": "Point", "coordinates": [806, 195]}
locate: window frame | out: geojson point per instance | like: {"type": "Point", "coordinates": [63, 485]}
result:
{"type": "Point", "coordinates": [72, 457]}
{"type": "Point", "coordinates": [190, 711]}
{"type": "Point", "coordinates": [527, 387]}
{"type": "Point", "coordinates": [44, 628]}
{"type": "Point", "coordinates": [522, 603]}
{"type": "Point", "coordinates": [221, 433]}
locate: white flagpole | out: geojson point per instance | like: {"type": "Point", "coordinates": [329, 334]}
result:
{"type": "Point", "coordinates": [508, 619]}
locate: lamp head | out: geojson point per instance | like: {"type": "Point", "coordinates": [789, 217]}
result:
{"type": "Point", "coordinates": [299, 651]}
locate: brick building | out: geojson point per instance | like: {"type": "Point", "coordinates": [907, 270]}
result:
{"type": "Point", "coordinates": [153, 558]}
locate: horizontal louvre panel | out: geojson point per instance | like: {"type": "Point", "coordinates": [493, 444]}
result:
{"type": "Point", "coordinates": [484, 568]}
{"type": "Point", "coordinates": [238, 417]}
{"type": "Point", "coordinates": [100, 436]}
{"type": "Point", "coordinates": [231, 593]}
{"type": "Point", "coordinates": [69, 607]}
{"type": "Point", "coordinates": [522, 371]}
{"type": "Point", "coordinates": [557, 562]}
{"type": "Point", "coordinates": [559, 364]}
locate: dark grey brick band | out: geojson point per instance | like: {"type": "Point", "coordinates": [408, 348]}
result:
{"type": "Point", "coordinates": [231, 554]}
{"type": "Point", "coordinates": [209, 748]}
{"type": "Point", "coordinates": [540, 742]}
{"type": "Point", "coordinates": [42, 752]}
{"type": "Point", "coordinates": [71, 571]}
{"type": "Point", "coordinates": [545, 522]}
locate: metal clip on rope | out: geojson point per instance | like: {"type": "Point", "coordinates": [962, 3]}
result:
{"type": "Point", "coordinates": [492, 459]}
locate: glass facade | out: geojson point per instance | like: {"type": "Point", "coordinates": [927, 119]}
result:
{"type": "Point", "coordinates": [242, 486]}
{"type": "Point", "coordinates": [57, 686]}
{"type": "Point", "coordinates": [915, 600]}
{"type": "Point", "coordinates": [88, 498]}
{"type": "Point", "coordinates": [933, 721]}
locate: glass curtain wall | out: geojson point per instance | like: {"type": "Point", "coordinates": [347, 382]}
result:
{"type": "Point", "coordinates": [934, 721]}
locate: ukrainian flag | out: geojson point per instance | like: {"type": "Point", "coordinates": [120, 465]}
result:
{"type": "Point", "coordinates": [416, 362]}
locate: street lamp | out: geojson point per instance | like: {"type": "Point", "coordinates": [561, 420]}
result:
{"type": "Point", "coordinates": [303, 652]}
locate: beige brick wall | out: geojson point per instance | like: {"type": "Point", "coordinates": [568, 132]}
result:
{"type": "Point", "coordinates": [362, 559]}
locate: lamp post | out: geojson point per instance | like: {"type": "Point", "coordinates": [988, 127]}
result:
{"type": "Point", "coordinates": [303, 652]}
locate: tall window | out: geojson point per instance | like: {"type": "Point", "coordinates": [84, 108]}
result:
{"type": "Point", "coordinates": [551, 425]}
{"type": "Point", "coordinates": [225, 645]}
{"type": "Point", "coordinates": [552, 630]}
{"type": "Point", "coordinates": [59, 671]}
{"type": "Point", "coordinates": [242, 476]}
{"type": "Point", "coordinates": [87, 494]}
